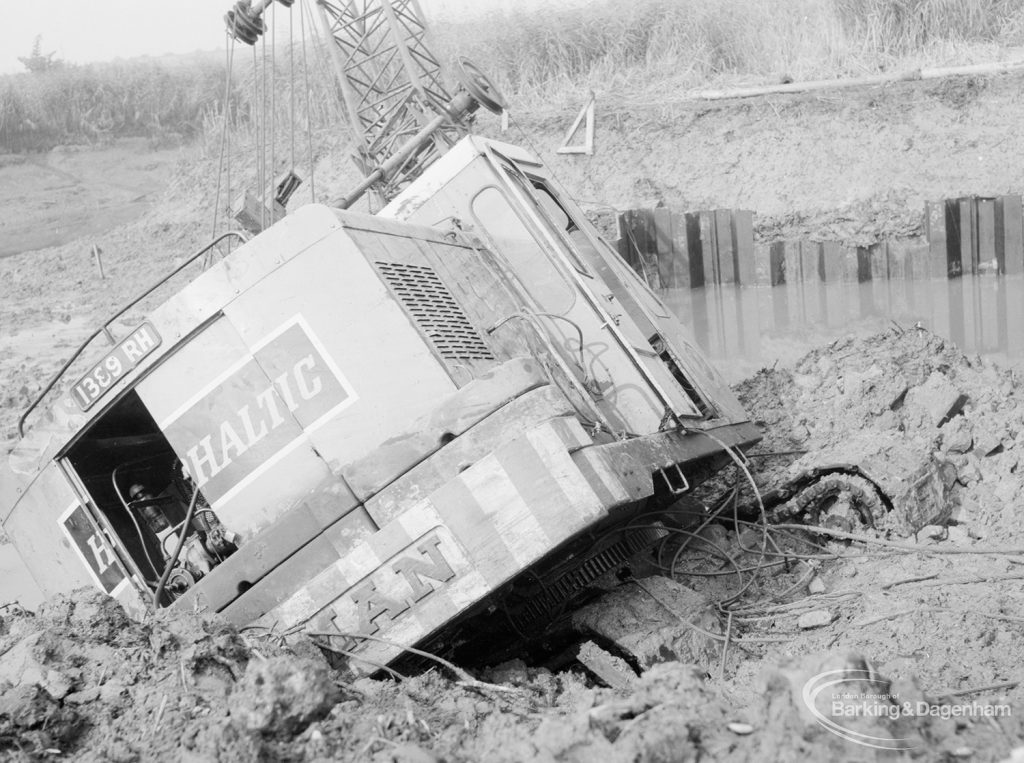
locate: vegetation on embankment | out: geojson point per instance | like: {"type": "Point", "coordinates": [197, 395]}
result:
{"type": "Point", "coordinates": [641, 47]}
{"type": "Point", "coordinates": [649, 45]}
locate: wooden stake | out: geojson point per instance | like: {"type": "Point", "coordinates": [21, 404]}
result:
{"type": "Point", "coordinates": [97, 255]}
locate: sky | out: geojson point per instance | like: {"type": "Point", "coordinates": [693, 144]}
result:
{"type": "Point", "coordinates": [84, 31]}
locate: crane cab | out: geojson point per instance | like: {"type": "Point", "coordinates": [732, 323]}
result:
{"type": "Point", "coordinates": [380, 424]}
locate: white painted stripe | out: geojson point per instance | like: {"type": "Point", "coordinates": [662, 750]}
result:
{"type": "Point", "coordinates": [219, 380]}
{"type": "Point", "coordinates": [605, 475]}
{"type": "Point", "coordinates": [258, 471]}
{"type": "Point", "coordinates": [296, 609]}
{"type": "Point", "coordinates": [511, 517]}
{"type": "Point", "coordinates": [351, 397]}
{"type": "Point", "coordinates": [297, 319]}
{"type": "Point", "coordinates": [419, 519]}
{"type": "Point", "coordinates": [328, 585]}
{"type": "Point", "coordinates": [583, 501]}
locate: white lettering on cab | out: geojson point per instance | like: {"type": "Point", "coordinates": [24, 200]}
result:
{"type": "Point", "coordinates": [249, 426]}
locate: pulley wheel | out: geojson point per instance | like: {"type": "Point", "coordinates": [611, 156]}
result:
{"type": "Point", "coordinates": [242, 26]}
{"type": "Point", "coordinates": [479, 86]}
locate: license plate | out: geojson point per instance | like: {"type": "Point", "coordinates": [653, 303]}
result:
{"type": "Point", "coordinates": [119, 361]}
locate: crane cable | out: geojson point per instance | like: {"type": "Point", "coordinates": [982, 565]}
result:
{"type": "Point", "coordinates": [264, 77]}
{"type": "Point", "coordinates": [224, 157]}
{"type": "Point", "coordinates": [268, 188]}
{"type": "Point", "coordinates": [309, 107]}
{"type": "Point", "coordinates": [291, 83]}
{"type": "Point", "coordinates": [261, 142]}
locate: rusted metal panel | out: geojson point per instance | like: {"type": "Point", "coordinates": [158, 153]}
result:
{"type": "Point", "coordinates": [777, 263]}
{"type": "Point", "coordinates": [831, 264]}
{"type": "Point", "coordinates": [965, 227]}
{"type": "Point", "coordinates": [762, 264]}
{"type": "Point", "coordinates": [986, 235]}
{"type": "Point", "coordinates": [743, 242]}
{"type": "Point", "coordinates": [661, 229]}
{"type": "Point", "coordinates": [627, 240]}
{"type": "Point", "coordinates": [897, 259]}
{"type": "Point", "coordinates": [648, 240]}
{"type": "Point", "coordinates": [681, 252]}
{"type": "Point", "coordinates": [695, 249]}
{"type": "Point", "coordinates": [794, 263]}
{"type": "Point", "coordinates": [954, 241]}
{"type": "Point", "coordinates": [709, 248]}
{"type": "Point", "coordinates": [864, 269]}
{"type": "Point", "coordinates": [935, 231]}
{"type": "Point", "coordinates": [1010, 234]}
{"type": "Point", "coordinates": [810, 256]}
{"type": "Point", "coordinates": [725, 247]}
{"type": "Point", "coordinates": [624, 248]}
{"type": "Point", "coordinates": [778, 275]}
{"type": "Point", "coordinates": [879, 254]}
{"type": "Point", "coordinates": [848, 258]}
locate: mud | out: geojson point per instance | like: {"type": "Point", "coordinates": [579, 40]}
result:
{"type": "Point", "coordinates": [895, 404]}
{"type": "Point", "coordinates": [939, 623]}
{"type": "Point", "coordinates": [724, 633]}
{"type": "Point", "coordinates": [720, 663]}
{"type": "Point", "coordinates": [196, 690]}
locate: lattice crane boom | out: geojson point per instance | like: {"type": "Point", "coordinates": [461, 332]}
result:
{"type": "Point", "coordinates": [399, 110]}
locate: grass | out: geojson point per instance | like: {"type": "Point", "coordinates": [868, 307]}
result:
{"type": "Point", "coordinates": [640, 48]}
{"type": "Point", "coordinates": [87, 104]}
{"type": "Point", "coordinates": [641, 44]}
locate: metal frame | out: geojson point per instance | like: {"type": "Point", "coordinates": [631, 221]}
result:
{"type": "Point", "coordinates": [391, 83]}
{"type": "Point", "coordinates": [105, 328]}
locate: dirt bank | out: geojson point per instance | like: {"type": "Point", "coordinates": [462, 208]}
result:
{"type": "Point", "coordinates": [930, 622]}
{"type": "Point", "coordinates": [850, 165]}
{"type": "Point", "coordinates": [934, 619]}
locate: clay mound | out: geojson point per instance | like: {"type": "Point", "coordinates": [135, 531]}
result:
{"type": "Point", "coordinates": [896, 404]}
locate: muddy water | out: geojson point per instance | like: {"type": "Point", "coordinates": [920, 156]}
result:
{"type": "Point", "coordinates": [745, 328]}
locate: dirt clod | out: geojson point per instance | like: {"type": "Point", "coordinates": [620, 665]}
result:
{"type": "Point", "coordinates": [817, 618]}
{"type": "Point", "coordinates": [281, 696]}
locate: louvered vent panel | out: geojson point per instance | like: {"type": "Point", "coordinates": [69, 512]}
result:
{"type": "Point", "coordinates": [435, 311]}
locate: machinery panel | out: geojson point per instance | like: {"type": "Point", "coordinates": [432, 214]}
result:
{"type": "Point", "coordinates": [359, 330]}
{"type": "Point", "coordinates": [230, 421]}
{"type": "Point", "coordinates": [81, 555]}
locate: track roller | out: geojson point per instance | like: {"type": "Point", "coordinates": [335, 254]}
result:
{"type": "Point", "coordinates": [836, 500]}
